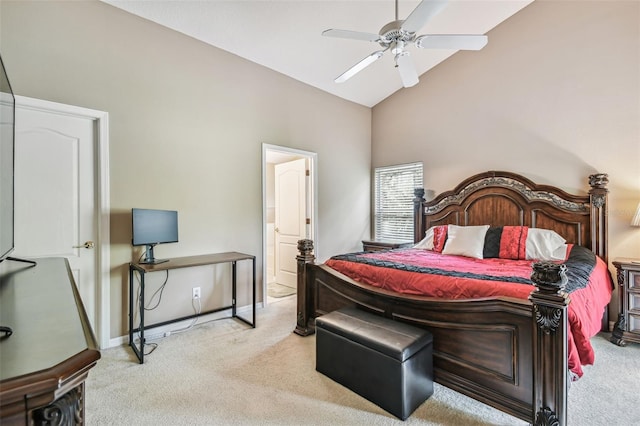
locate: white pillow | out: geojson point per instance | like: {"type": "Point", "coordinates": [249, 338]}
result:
{"type": "Point", "coordinates": [559, 254]}
{"type": "Point", "coordinates": [465, 240]}
{"type": "Point", "coordinates": [427, 242]}
{"type": "Point", "coordinates": [544, 244]}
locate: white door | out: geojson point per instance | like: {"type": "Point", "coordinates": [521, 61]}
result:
{"type": "Point", "coordinates": [55, 181]}
{"type": "Point", "coordinates": [290, 218]}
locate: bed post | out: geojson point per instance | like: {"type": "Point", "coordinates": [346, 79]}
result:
{"type": "Point", "coordinates": [418, 215]}
{"type": "Point", "coordinates": [598, 200]}
{"type": "Point", "coordinates": [550, 380]}
{"type": "Point", "coordinates": [304, 288]}
{"type": "Point", "coordinates": [598, 225]}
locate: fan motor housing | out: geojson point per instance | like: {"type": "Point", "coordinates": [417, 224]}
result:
{"type": "Point", "coordinates": [393, 32]}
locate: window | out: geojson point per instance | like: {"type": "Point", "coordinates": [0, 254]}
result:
{"type": "Point", "coordinates": [393, 201]}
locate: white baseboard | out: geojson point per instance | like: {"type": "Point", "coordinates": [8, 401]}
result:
{"type": "Point", "coordinates": [168, 329]}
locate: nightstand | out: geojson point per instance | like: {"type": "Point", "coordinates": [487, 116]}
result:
{"type": "Point", "coordinates": [627, 328]}
{"type": "Point", "coordinates": [384, 245]}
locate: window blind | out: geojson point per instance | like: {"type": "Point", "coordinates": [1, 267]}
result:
{"type": "Point", "coordinates": [393, 200]}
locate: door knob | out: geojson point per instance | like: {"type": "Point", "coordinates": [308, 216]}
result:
{"type": "Point", "coordinates": [87, 245]}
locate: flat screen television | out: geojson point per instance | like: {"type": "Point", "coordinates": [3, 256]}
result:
{"type": "Point", "coordinates": [7, 145]}
{"type": "Point", "coordinates": [151, 227]}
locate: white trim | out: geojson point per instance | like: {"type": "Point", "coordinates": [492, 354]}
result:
{"type": "Point", "coordinates": [158, 332]}
{"type": "Point", "coordinates": [103, 259]}
{"type": "Point", "coordinates": [313, 180]}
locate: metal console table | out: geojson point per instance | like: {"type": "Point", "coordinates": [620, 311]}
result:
{"type": "Point", "coordinates": [185, 262]}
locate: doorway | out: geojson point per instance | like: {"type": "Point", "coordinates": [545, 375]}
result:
{"type": "Point", "coordinates": [289, 197]}
{"type": "Point", "coordinates": [62, 196]}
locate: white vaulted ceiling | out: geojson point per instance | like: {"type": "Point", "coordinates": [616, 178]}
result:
{"type": "Point", "coordinates": [285, 35]}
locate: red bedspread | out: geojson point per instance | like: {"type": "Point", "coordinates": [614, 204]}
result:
{"type": "Point", "coordinates": [458, 277]}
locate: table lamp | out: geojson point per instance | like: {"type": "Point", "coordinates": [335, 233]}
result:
{"type": "Point", "coordinates": [635, 220]}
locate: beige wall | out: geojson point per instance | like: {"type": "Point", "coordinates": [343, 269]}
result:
{"type": "Point", "coordinates": [187, 124]}
{"type": "Point", "coordinates": [555, 96]}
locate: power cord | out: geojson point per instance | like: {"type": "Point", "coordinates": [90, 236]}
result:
{"type": "Point", "coordinates": [193, 322]}
{"type": "Point", "coordinates": [153, 345]}
{"type": "Point", "coordinates": [159, 290]}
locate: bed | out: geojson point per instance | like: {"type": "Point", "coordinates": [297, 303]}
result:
{"type": "Point", "coordinates": [509, 351]}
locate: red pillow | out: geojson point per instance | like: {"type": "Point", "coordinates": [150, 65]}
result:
{"type": "Point", "coordinates": [439, 237]}
{"type": "Point", "coordinates": [513, 242]}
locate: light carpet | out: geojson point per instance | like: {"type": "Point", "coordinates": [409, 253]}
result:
{"type": "Point", "coordinates": [226, 373]}
{"type": "Point", "coordinates": [279, 290]}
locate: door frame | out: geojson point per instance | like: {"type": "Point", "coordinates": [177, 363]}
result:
{"type": "Point", "coordinates": [312, 199]}
{"type": "Point", "coordinates": [102, 221]}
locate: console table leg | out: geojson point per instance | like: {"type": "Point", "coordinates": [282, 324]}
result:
{"type": "Point", "coordinates": [254, 293]}
{"type": "Point", "coordinates": [130, 306]}
{"type": "Point", "coordinates": [233, 291]}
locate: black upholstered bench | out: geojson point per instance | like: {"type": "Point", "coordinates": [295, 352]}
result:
{"type": "Point", "coordinates": [385, 361]}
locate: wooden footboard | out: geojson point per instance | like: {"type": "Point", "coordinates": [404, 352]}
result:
{"type": "Point", "coordinates": [508, 353]}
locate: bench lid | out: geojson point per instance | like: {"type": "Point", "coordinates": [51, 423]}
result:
{"type": "Point", "coordinates": [392, 338]}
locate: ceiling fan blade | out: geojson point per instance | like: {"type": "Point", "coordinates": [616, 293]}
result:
{"type": "Point", "coordinates": [355, 35]}
{"type": "Point", "coordinates": [359, 66]}
{"type": "Point", "coordinates": [426, 10]}
{"type": "Point", "coordinates": [453, 42]}
{"type": "Point", "coordinates": [408, 73]}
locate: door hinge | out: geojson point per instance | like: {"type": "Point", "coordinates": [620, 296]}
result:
{"type": "Point", "coordinates": [306, 172]}
{"type": "Point", "coordinates": [308, 221]}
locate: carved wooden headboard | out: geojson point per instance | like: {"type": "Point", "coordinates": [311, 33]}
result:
{"type": "Point", "coordinates": [500, 198]}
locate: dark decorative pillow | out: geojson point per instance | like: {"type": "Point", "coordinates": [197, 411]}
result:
{"type": "Point", "coordinates": [492, 242]}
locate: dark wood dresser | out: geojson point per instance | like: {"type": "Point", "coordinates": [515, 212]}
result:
{"type": "Point", "coordinates": [627, 328]}
{"type": "Point", "coordinates": [44, 363]}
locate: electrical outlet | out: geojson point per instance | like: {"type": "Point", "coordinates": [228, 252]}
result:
{"type": "Point", "coordinates": [195, 293]}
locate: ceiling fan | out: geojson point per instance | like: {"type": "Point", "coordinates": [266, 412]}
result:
{"type": "Point", "coordinates": [399, 34]}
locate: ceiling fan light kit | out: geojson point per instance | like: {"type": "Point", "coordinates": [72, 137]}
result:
{"type": "Point", "coordinates": [399, 34]}
{"type": "Point", "coordinates": [457, 42]}
{"type": "Point", "coordinates": [359, 66]}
